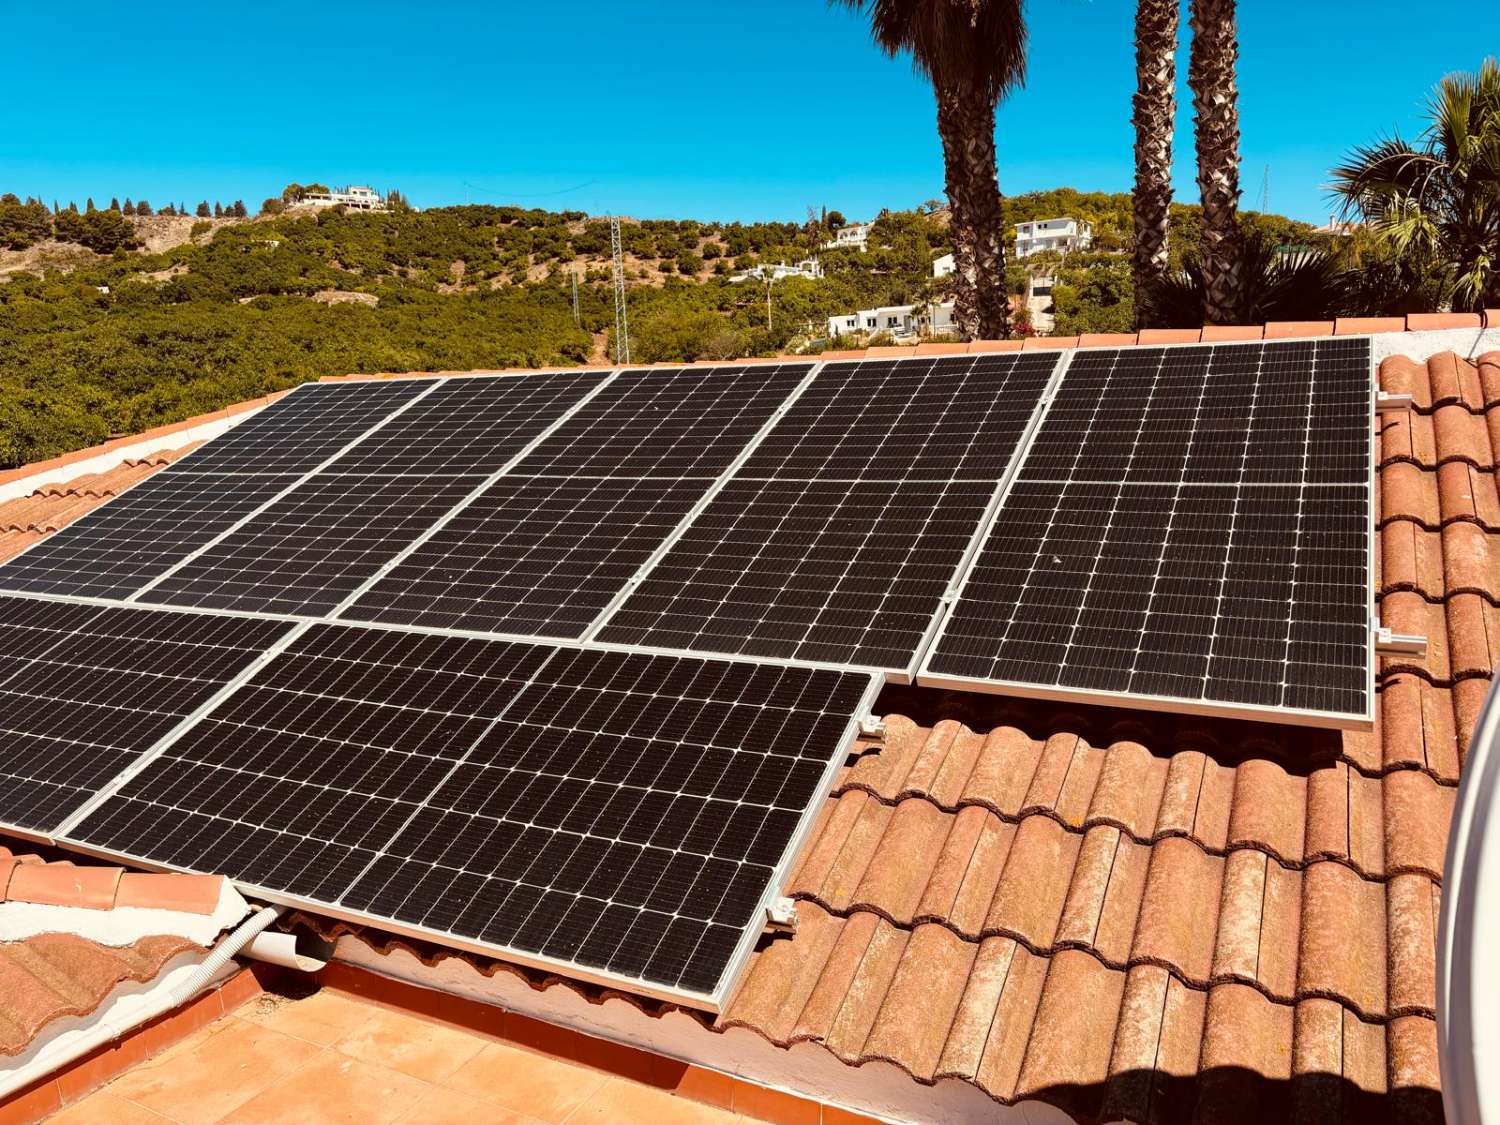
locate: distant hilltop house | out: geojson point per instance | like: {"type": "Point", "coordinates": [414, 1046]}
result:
{"type": "Point", "coordinates": [1062, 235]}
{"type": "Point", "coordinates": [901, 321]}
{"type": "Point", "coordinates": [855, 236]}
{"type": "Point", "coordinates": [354, 197]}
{"type": "Point", "coordinates": [810, 268]}
{"type": "Point", "coordinates": [943, 267]}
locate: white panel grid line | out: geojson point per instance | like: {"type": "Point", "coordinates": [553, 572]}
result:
{"type": "Point", "coordinates": [728, 976]}
{"type": "Point", "coordinates": [176, 733]}
{"type": "Point", "coordinates": [303, 479]}
{"type": "Point", "coordinates": [697, 509]}
{"type": "Point", "coordinates": [30, 547]}
{"type": "Point", "coordinates": [337, 613]}
{"type": "Point", "coordinates": [817, 475]}
{"type": "Point", "coordinates": [1304, 487]}
{"type": "Point", "coordinates": [991, 513]}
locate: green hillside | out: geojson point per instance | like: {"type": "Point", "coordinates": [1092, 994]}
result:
{"type": "Point", "coordinates": [128, 340]}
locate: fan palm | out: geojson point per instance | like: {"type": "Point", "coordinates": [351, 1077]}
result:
{"type": "Point", "coordinates": [973, 52]}
{"type": "Point", "coordinates": [1216, 100]}
{"type": "Point", "coordinates": [1436, 204]}
{"type": "Point", "coordinates": [1155, 110]}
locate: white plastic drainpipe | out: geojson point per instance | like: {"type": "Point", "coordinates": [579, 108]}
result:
{"type": "Point", "coordinates": [109, 1028]}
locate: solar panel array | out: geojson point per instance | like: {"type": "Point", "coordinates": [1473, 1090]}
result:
{"type": "Point", "coordinates": [549, 546]}
{"type": "Point", "coordinates": [839, 537]}
{"type": "Point", "coordinates": [1190, 524]}
{"type": "Point", "coordinates": [323, 672]}
{"type": "Point", "coordinates": [85, 690]}
{"type": "Point", "coordinates": [621, 812]}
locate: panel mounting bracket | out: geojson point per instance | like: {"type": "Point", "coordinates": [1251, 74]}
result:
{"type": "Point", "coordinates": [871, 726]}
{"type": "Point", "coordinates": [781, 915]}
{"type": "Point", "coordinates": [1392, 402]}
{"type": "Point", "coordinates": [1388, 643]}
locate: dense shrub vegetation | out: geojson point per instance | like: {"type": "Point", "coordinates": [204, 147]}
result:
{"type": "Point", "coordinates": [132, 339]}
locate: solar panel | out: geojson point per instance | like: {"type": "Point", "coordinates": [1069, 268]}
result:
{"type": "Point", "coordinates": [667, 422]}
{"type": "Point", "coordinates": [540, 556]}
{"type": "Point", "coordinates": [948, 418]}
{"type": "Point", "coordinates": [1191, 528]}
{"type": "Point", "coordinates": [469, 424]}
{"type": "Point", "coordinates": [624, 815]}
{"type": "Point", "coordinates": [297, 433]}
{"type": "Point", "coordinates": [843, 572]}
{"type": "Point", "coordinates": [117, 548]}
{"type": "Point", "coordinates": [839, 536]}
{"type": "Point", "coordinates": [313, 547]}
{"type": "Point", "coordinates": [84, 691]}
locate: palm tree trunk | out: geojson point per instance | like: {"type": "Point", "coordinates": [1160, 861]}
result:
{"type": "Point", "coordinates": [1155, 112]}
{"type": "Point", "coordinates": [1215, 97]}
{"type": "Point", "coordinates": [966, 123]}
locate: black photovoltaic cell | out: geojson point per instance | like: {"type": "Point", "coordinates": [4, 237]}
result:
{"type": "Point", "coordinates": [839, 536]}
{"type": "Point", "coordinates": [540, 556]}
{"type": "Point", "coordinates": [84, 691]}
{"type": "Point", "coordinates": [298, 433]}
{"type": "Point", "coordinates": [116, 549]}
{"type": "Point", "coordinates": [1191, 524]}
{"type": "Point", "coordinates": [1285, 413]}
{"type": "Point", "coordinates": [621, 812]}
{"type": "Point", "coordinates": [947, 418]}
{"type": "Point", "coordinates": [1250, 595]}
{"type": "Point", "coordinates": [312, 548]}
{"type": "Point", "coordinates": [833, 571]}
{"type": "Point", "coordinates": [469, 424]}
{"type": "Point", "coordinates": [666, 422]}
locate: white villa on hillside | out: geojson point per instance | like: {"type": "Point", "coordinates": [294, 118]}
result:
{"type": "Point", "coordinates": [356, 198]}
{"type": "Point", "coordinates": [943, 267]}
{"type": "Point", "coordinates": [855, 236]}
{"type": "Point", "coordinates": [1052, 234]}
{"type": "Point", "coordinates": [901, 321]}
{"type": "Point", "coordinates": [810, 268]}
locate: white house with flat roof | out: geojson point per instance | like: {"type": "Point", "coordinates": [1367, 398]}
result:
{"type": "Point", "coordinates": [810, 268]}
{"type": "Point", "coordinates": [855, 236]}
{"type": "Point", "coordinates": [943, 267]}
{"type": "Point", "coordinates": [1061, 235]}
{"type": "Point", "coordinates": [899, 320]}
{"type": "Point", "coordinates": [356, 198]}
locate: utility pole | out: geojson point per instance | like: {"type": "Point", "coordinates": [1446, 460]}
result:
{"type": "Point", "coordinates": [577, 319]}
{"type": "Point", "coordinates": [622, 324]}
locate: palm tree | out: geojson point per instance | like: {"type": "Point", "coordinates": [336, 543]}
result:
{"type": "Point", "coordinates": [1216, 97]}
{"type": "Point", "coordinates": [1436, 205]}
{"type": "Point", "coordinates": [973, 52]}
{"type": "Point", "coordinates": [1155, 112]}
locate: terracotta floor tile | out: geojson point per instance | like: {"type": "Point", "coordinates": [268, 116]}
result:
{"type": "Point", "coordinates": [621, 1100]}
{"type": "Point", "coordinates": [441, 1106]}
{"type": "Point", "coordinates": [518, 1080]}
{"type": "Point", "coordinates": [333, 1089]}
{"type": "Point", "coordinates": [323, 1018]}
{"type": "Point", "coordinates": [103, 1108]}
{"type": "Point", "coordinates": [205, 1078]}
{"type": "Point", "coordinates": [413, 1046]}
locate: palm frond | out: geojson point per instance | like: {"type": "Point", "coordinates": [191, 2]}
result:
{"type": "Point", "coordinates": [973, 42]}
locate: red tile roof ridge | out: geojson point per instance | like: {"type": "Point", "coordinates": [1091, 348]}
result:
{"type": "Point", "coordinates": [27, 879]}
{"type": "Point", "coordinates": [1188, 980]}
{"type": "Point", "coordinates": [52, 976]}
{"type": "Point", "coordinates": [1384, 873]}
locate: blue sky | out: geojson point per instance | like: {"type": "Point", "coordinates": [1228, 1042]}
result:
{"type": "Point", "coordinates": [657, 108]}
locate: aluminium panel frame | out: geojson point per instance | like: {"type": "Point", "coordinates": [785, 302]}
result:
{"type": "Point", "coordinates": [713, 1001]}
{"type": "Point", "coordinates": [1291, 716]}
{"type": "Point", "coordinates": [906, 674]}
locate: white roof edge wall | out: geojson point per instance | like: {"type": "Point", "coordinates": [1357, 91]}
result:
{"type": "Point", "coordinates": [111, 459]}
{"type": "Point", "coordinates": [1468, 972]}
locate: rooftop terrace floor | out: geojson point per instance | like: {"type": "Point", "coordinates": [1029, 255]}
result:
{"type": "Point", "coordinates": [330, 1057]}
